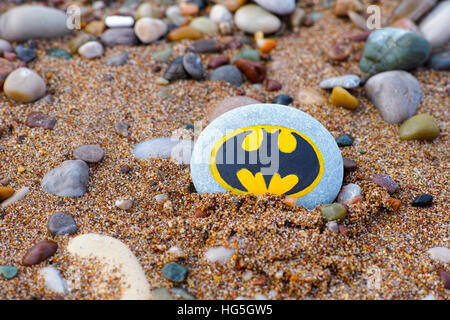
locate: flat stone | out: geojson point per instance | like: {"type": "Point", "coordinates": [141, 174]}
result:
{"type": "Point", "coordinates": [176, 71]}
{"type": "Point", "coordinates": [149, 29]}
{"type": "Point", "coordinates": [119, 36]}
{"type": "Point", "coordinates": [24, 85]}
{"type": "Point", "coordinates": [206, 46]}
{"type": "Point", "coordinates": [91, 50]}
{"type": "Point", "coordinates": [58, 53]}
{"type": "Point", "coordinates": [422, 200]}
{"type": "Point", "coordinates": [69, 179]}
{"type": "Point", "coordinates": [348, 81]}
{"type": "Point", "coordinates": [204, 25]}
{"type": "Point", "coordinates": [8, 272]}
{"type": "Point", "coordinates": [217, 61]}
{"type": "Point", "coordinates": [193, 65]}
{"type": "Point", "coordinates": [440, 61]}
{"type": "Point", "coordinates": [252, 18]}
{"type": "Point", "coordinates": [314, 176]}
{"type": "Point", "coordinates": [38, 119]}
{"type": "Point", "coordinates": [333, 212]}
{"type": "Point", "coordinates": [419, 127]}
{"type": "Point", "coordinates": [119, 21]}
{"type": "Point", "coordinates": [393, 49]}
{"type": "Point", "coordinates": [39, 252]}
{"type": "Point", "coordinates": [165, 148]}
{"type": "Point", "coordinates": [174, 272]}
{"type": "Point", "coordinates": [61, 223]}
{"type": "Point", "coordinates": [92, 153]}
{"type": "Point", "coordinates": [53, 280]}
{"type": "Point", "coordinates": [283, 99]}
{"type": "Point", "coordinates": [344, 140]}
{"type": "Point", "coordinates": [396, 95]}
{"type": "Point", "coordinates": [435, 25]}
{"type": "Point", "coordinates": [255, 72]}
{"type": "Point", "coordinates": [280, 7]}
{"type": "Point", "coordinates": [31, 22]}
{"type": "Point", "coordinates": [117, 60]}
{"type": "Point", "coordinates": [25, 54]}
{"type": "Point", "coordinates": [229, 74]}
{"type": "Point", "coordinates": [215, 110]}
{"type": "Point", "coordinates": [186, 32]}
{"type": "Point", "coordinates": [385, 181]}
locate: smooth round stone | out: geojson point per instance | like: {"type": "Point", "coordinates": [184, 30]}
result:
{"type": "Point", "coordinates": [178, 150]}
{"type": "Point", "coordinates": [8, 272]}
{"type": "Point", "coordinates": [61, 223]}
{"type": "Point", "coordinates": [304, 162]}
{"type": "Point", "coordinates": [25, 54]}
{"type": "Point", "coordinates": [342, 98]}
{"type": "Point", "coordinates": [349, 81]}
{"type": "Point", "coordinates": [393, 49]}
{"type": "Point", "coordinates": [252, 18]}
{"type": "Point", "coordinates": [119, 21]}
{"type": "Point", "coordinates": [92, 153]}
{"type": "Point", "coordinates": [193, 65]}
{"type": "Point", "coordinates": [38, 119]}
{"type": "Point", "coordinates": [440, 61]}
{"type": "Point", "coordinates": [435, 27]}
{"type": "Point", "coordinates": [58, 53]}
{"type": "Point", "coordinates": [227, 104]}
{"type": "Point", "coordinates": [174, 15]}
{"type": "Point", "coordinates": [163, 55]}
{"type": "Point", "coordinates": [174, 272]}
{"type": "Point", "coordinates": [186, 32]}
{"type": "Point", "coordinates": [205, 25]}
{"type": "Point", "coordinates": [349, 164]}
{"type": "Point", "coordinates": [24, 85]}
{"type": "Point", "coordinates": [91, 49]}
{"type": "Point", "coordinates": [79, 40]}
{"type": "Point", "coordinates": [39, 252]}
{"type": "Point", "coordinates": [419, 127]}
{"type": "Point", "coordinates": [344, 140]}
{"type": "Point", "coordinates": [396, 95]}
{"type": "Point", "coordinates": [5, 46]}
{"type": "Point", "coordinates": [349, 194]}
{"type": "Point", "coordinates": [69, 179]}
{"type": "Point", "coordinates": [117, 60]}
{"type": "Point", "coordinates": [53, 280]}
{"type": "Point", "coordinates": [31, 22]}
{"type": "Point", "coordinates": [218, 254]}
{"type": "Point", "coordinates": [248, 54]}
{"type": "Point", "coordinates": [229, 74]}
{"type": "Point", "coordinates": [333, 212]}
{"type": "Point", "coordinates": [422, 200]}
{"type": "Point", "coordinates": [6, 192]}
{"type": "Point", "coordinates": [385, 181]}
{"type": "Point", "coordinates": [220, 13]}
{"type": "Point", "coordinates": [283, 99]}
{"type": "Point", "coordinates": [146, 10]}
{"type": "Point", "coordinates": [206, 46]}
{"type": "Point", "coordinates": [280, 7]}
{"type": "Point", "coordinates": [149, 29]}
{"type": "Point", "coordinates": [119, 36]}
{"type": "Point", "coordinates": [176, 71]}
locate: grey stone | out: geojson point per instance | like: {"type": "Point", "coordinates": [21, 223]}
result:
{"type": "Point", "coordinates": [435, 27]}
{"type": "Point", "coordinates": [347, 81]}
{"type": "Point", "coordinates": [117, 60]}
{"type": "Point", "coordinates": [321, 188]}
{"type": "Point", "coordinates": [393, 49]}
{"type": "Point", "coordinates": [176, 71]}
{"type": "Point", "coordinates": [229, 74]}
{"type": "Point", "coordinates": [396, 94]}
{"type": "Point", "coordinates": [89, 153]}
{"type": "Point", "coordinates": [61, 223]}
{"type": "Point", "coordinates": [5, 46]}
{"type": "Point", "coordinates": [440, 61]}
{"type": "Point", "coordinates": [31, 22]}
{"type": "Point", "coordinates": [25, 54]}
{"type": "Point", "coordinates": [178, 150]}
{"type": "Point", "coordinates": [69, 179]}
{"type": "Point", "coordinates": [193, 65]}
{"type": "Point", "coordinates": [280, 7]}
{"type": "Point", "coordinates": [119, 36]}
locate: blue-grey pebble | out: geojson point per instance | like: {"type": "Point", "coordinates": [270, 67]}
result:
{"type": "Point", "coordinates": [25, 54]}
{"type": "Point", "coordinates": [348, 81]}
{"type": "Point", "coordinates": [440, 61]}
{"type": "Point", "coordinates": [229, 74]}
{"type": "Point", "coordinates": [61, 223]}
{"type": "Point", "coordinates": [69, 179]}
{"type": "Point", "coordinates": [174, 272]}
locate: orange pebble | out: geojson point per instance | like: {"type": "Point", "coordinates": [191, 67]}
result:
{"type": "Point", "coordinates": [189, 9]}
{"type": "Point", "coordinates": [267, 45]}
{"type": "Point", "coordinates": [394, 203]}
{"type": "Point", "coordinates": [290, 201]}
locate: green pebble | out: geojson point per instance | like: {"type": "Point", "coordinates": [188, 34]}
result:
{"type": "Point", "coordinates": [334, 211]}
{"type": "Point", "coordinates": [205, 25]}
{"type": "Point", "coordinates": [163, 55]}
{"type": "Point", "coordinates": [8, 272]}
{"type": "Point", "coordinates": [174, 272]}
{"type": "Point", "coordinates": [362, 151]}
{"type": "Point", "coordinates": [59, 53]}
{"type": "Point", "coordinates": [190, 126]}
{"type": "Point", "coordinates": [419, 127]}
{"type": "Point", "coordinates": [248, 54]}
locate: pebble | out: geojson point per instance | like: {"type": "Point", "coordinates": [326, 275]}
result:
{"type": "Point", "coordinates": [38, 119]}
{"type": "Point", "coordinates": [385, 181]}
{"type": "Point", "coordinates": [206, 46]}
{"type": "Point", "coordinates": [273, 85]}
{"type": "Point", "coordinates": [348, 81]}
{"type": "Point", "coordinates": [283, 99]}
{"type": "Point", "coordinates": [8, 272]}
{"type": "Point", "coordinates": [176, 71]}
{"type": "Point", "coordinates": [24, 85]}
{"type": "Point", "coordinates": [342, 98]}
{"type": "Point", "coordinates": [220, 13]}
{"type": "Point", "coordinates": [61, 223]}
{"type": "Point", "coordinates": [119, 21]}
{"type": "Point", "coordinates": [58, 53]}
{"type": "Point", "coordinates": [252, 18]}
{"type": "Point", "coordinates": [412, 9]}
{"type": "Point", "coordinates": [350, 193]}
{"type": "Point", "coordinates": [333, 212]}
{"type": "Point", "coordinates": [6, 67]}
{"type": "Point", "coordinates": [25, 54]}
{"type": "Point", "coordinates": [440, 61]}
{"type": "Point", "coordinates": [186, 32]}
{"type": "Point", "coordinates": [332, 226]}
{"type": "Point", "coordinates": [79, 40]}
{"type": "Point", "coordinates": [358, 20]}
{"type": "Point", "coordinates": [439, 254]}
{"type": "Point", "coordinates": [124, 204]}
{"type": "Point", "coordinates": [396, 95]}
{"type": "Point", "coordinates": [39, 252]}
{"type": "Point", "coordinates": [342, 7]}
{"type": "Point", "coordinates": [115, 257]}
{"type": "Point", "coordinates": [445, 277]}
{"type": "Point", "coordinates": [229, 74]}
{"type": "Point", "coordinates": [176, 252]}
{"type": "Point", "coordinates": [248, 54]}
{"type": "Point", "coordinates": [95, 28]}
{"type": "Point", "coordinates": [297, 17]}
{"type": "Point", "coordinates": [349, 164]}
{"type": "Point", "coordinates": [189, 9]}
{"type": "Point", "coordinates": [217, 61]}
{"type": "Point", "coordinates": [125, 169]}
{"type": "Point", "coordinates": [193, 65]}
{"type": "Point", "coordinates": [91, 153]}
{"type": "Point", "coordinates": [91, 49]}
{"type": "Point", "coordinates": [218, 254]}
{"type": "Point", "coordinates": [119, 36]}
{"type": "Point", "coordinates": [204, 25]}
{"type": "Point", "coordinates": [5, 46]}
{"type": "Point", "coordinates": [174, 272]}
{"type": "Point", "coordinates": [310, 96]}
{"type": "Point", "coordinates": [121, 128]}
{"type": "Point", "coordinates": [229, 103]}
{"type": "Point", "coordinates": [32, 22]}
{"type": "Point", "coordinates": [393, 49]}
{"type": "Point", "coordinates": [145, 10]}
{"type": "Point", "coordinates": [161, 294]}
{"type": "Point", "coordinates": [174, 15]}
{"type": "Point", "coordinates": [316, 173]}
{"type": "Point", "coordinates": [163, 55]}
{"type": "Point", "coordinates": [149, 29]}
{"type": "Point", "coordinates": [10, 56]}
{"type": "Point", "coordinates": [53, 280]}
{"type": "Point", "coordinates": [422, 200]}
{"type": "Point", "coordinates": [344, 140]}
{"type": "Point", "coordinates": [340, 51]}
{"type": "Point", "coordinates": [69, 179]}
{"type": "Point", "coordinates": [17, 196]}
{"type": "Point", "coordinates": [279, 7]}
{"type": "Point", "coordinates": [406, 24]}
{"type": "Point", "coordinates": [255, 72]}
{"type": "Point", "coordinates": [434, 26]}
{"type": "Point", "coordinates": [165, 148]}
{"type": "Point", "coordinates": [182, 293]}
{"type": "Point", "coordinates": [5, 193]}
{"type": "Point", "coordinates": [117, 60]}
{"type": "Point", "coordinates": [419, 127]}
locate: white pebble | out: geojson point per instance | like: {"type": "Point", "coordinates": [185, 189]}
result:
{"type": "Point", "coordinates": [220, 13]}
{"type": "Point", "coordinates": [247, 275]}
{"type": "Point", "coordinates": [53, 280]}
{"type": "Point", "coordinates": [218, 254]}
{"type": "Point", "coordinates": [176, 252]}
{"type": "Point", "coordinates": [124, 204]}
{"type": "Point", "coordinates": [18, 195]}
{"type": "Point", "coordinates": [440, 254]}
{"type": "Point", "coordinates": [332, 226]}
{"type": "Point", "coordinates": [350, 193]}
{"type": "Point", "coordinates": [119, 21]}
{"type": "Point", "coordinates": [91, 49]}
{"type": "Point", "coordinates": [160, 198]}
{"type": "Point", "coordinates": [174, 14]}
{"type": "Point", "coordinates": [149, 29]}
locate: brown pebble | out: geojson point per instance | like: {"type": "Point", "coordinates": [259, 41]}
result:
{"type": "Point", "coordinates": [343, 230]}
{"type": "Point", "coordinates": [40, 120]}
{"type": "Point", "coordinates": [290, 201]}
{"type": "Point", "coordinates": [186, 32]}
{"type": "Point", "coordinates": [341, 7]}
{"type": "Point", "coordinates": [349, 164]}
{"type": "Point", "coordinates": [10, 56]}
{"type": "Point", "coordinates": [394, 203]}
{"type": "Point", "coordinates": [385, 181]}
{"type": "Point", "coordinates": [406, 24]}
{"type": "Point", "coordinates": [200, 213]}
{"type": "Point", "coordinates": [445, 277]}
{"type": "Point", "coordinates": [156, 68]}
{"type": "Point", "coordinates": [260, 281]}
{"type": "Point", "coordinates": [218, 61]}
{"type": "Point", "coordinates": [6, 67]}
{"type": "Point", "coordinates": [254, 71]}
{"type": "Point", "coordinates": [339, 51]}
{"type": "Point", "coordinates": [273, 85]}
{"type": "Point", "coordinates": [39, 252]}
{"type": "Point", "coordinates": [125, 168]}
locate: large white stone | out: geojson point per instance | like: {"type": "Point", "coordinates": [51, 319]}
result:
{"type": "Point", "coordinates": [53, 280]}
{"type": "Point", "coordinates": [149, 29]}
{"type": "Point", "coordinates": [24, 85]}
{"type": "Point", "coordinates": [280, 7]}
{"type": "Point", "coordinates": [252, 18]}
{"type": "Point", "coordinates": [436, 27]}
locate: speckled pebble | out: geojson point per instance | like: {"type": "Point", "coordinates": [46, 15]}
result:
{"type": "Point", "coordinates": [61, 223]}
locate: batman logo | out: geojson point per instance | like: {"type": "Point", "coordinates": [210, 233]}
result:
{"type": "Point", "coordinates": [267, 159]}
